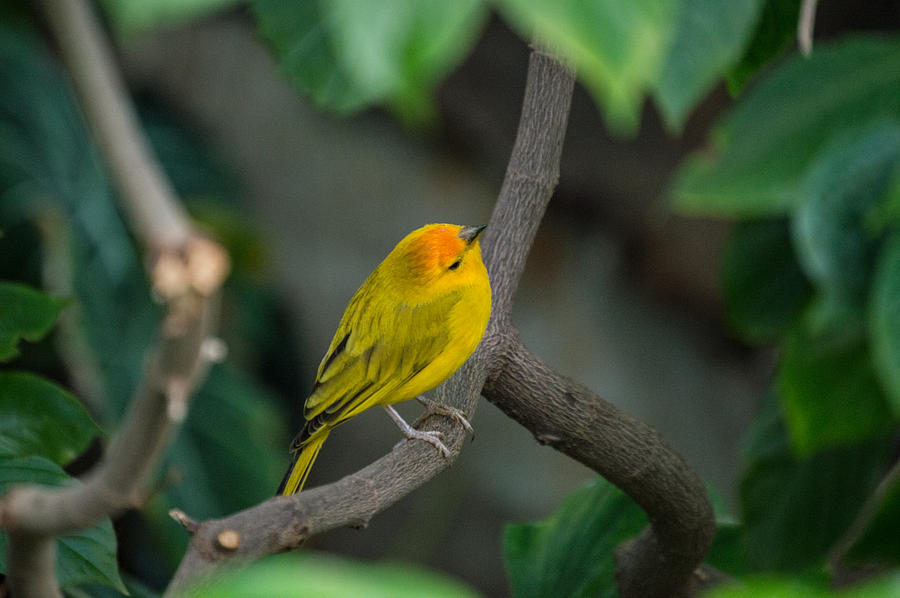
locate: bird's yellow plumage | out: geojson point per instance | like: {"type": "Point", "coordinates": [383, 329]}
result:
{"type": "Point", "coordinates": [413, 322]}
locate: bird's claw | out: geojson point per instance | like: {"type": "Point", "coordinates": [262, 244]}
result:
{"type": "Point", "coordinates": [432, 408]}
{"type": "Point", "coordinates": [432, 437]}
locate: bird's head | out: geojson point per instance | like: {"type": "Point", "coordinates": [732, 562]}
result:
{"type": "Point", "coordinates": [440, 254]}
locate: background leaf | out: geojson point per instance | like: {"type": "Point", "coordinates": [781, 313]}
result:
{"type": "Point", "coordinates": [347, 55]}
{"type": "Point", "coordinates": [711, 35]}
{"type": "Point", "coordinates": [570, 553]}
{"type": "Point", "coordinates": [761, 151]}
{"type": "Point", "coordinates": [850, 176]}
{"type": "Point", "coordinates": [877, 540]}
{"type": "Point", "coordinates": [884, 320]}
{"type": "Point", "coordinates": [830, 392]}
{"type": "Point", "coordinates": [794, 508]}
{"type": "Point", "coordinates": [618, 48]}
{"type": "Point", "coordinates": [315, 576]}
{"type": "Point", "coordinates": [764, 287]}
{"type": "Point", "coordinates": [792, 588]}
{"type": "Point", "coordinates": [86, 556]}
{"type": "Point", "coordinates": [775, 32]}
{"type": "Point", "coordinates": [25, 313]}
{"type": "Point", "coordinates": [37, 417]}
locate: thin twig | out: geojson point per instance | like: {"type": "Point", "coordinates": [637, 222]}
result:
{"type": "Point", "coordinates": [146, 193]}
{"type": "Point", "coordinates": [805, 25]}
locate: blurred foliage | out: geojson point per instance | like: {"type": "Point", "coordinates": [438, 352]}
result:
{"type": "Point", "coordinates": [347, 56]}
{"type": "Point", "coordinates": [774, 33]}
{"type": "Point", "coordinates": [317, 576]}
{"type": "Point", "coordinates": [569, 554]}
{"type": "Point", "coordinates": [57, 206]}
{"type": "Point", "coordinates": [783, 588]}
{"type": "Point", "coordinates": [807, 162]}
{"type": "Point", "coordinates": [25, 313]}
{"type": "Point", "coordinates": [133, 16]}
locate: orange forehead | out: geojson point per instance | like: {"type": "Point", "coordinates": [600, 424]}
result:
{"type": "Point", "coordinates": [436, 244]}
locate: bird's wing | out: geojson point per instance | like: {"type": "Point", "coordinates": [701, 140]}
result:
{"type": "Point", "coordinates": [374, 352]}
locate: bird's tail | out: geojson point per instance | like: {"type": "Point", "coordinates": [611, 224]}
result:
{"type": "Point", "coordinates": [296, 475]}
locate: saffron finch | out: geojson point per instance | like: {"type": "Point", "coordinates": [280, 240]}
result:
{"type": "Point", "coordinates": [413, 322]}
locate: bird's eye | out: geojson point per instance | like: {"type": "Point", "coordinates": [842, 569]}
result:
{"type": "Point", "coordinates": [455, 265]}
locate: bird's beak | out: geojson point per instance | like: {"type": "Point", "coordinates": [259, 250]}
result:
{"type": "Point", "coordinates": [470, 233]}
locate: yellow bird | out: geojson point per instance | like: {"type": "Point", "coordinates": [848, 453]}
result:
{"type": "Point", "coordinates": [413, 322]}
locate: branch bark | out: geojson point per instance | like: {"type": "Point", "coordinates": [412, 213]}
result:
{"type": "Point", "coordinates": [186, 271]}
{"type": "Point", "coordinates": [560, 412]}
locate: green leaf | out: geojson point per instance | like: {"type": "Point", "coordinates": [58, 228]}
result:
{"type": "Point", "coordinates": [834, 248]}
{"type": "Point", "coordinates": [37, 417]}
{"type": "Point", "coordinates": [884, 320]}
{"type": "Point", "coordinates": [761, 151]}
{"type": "Point", "coordinates": [570, 553]}
{"type": "Point", "coordinates": [876, 541]}
{"type": "Point", "coordinates": [886, 587]}
{"type": "Point", "coordinates": [86, 556]}
{"type": "Point", "coordinates": [775, 33]}
{"type": "Point", "coordinates": [618, 48]}
{"type": "Point", "coordinates": [830, 392]}
{"type": "Point", "coordinates": [765, 289]}
{"type": "Point", "coordinates": [711, 35]}
{"type": "Point", "coordinates": [795, 508]}
{"type": "Point", "coordinates": [133, 16]}
{"type": "Point", "coordinates": [346, 55]}
{"type": "Point", "coordinates": [25, 313]}
{"type": "Point", "coordinates": [317, 576]}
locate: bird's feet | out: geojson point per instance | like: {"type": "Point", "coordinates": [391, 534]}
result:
{"type": "Point", "coordinates": [432, 437]}
{"type": "Point", "coordinates": [432, 408]}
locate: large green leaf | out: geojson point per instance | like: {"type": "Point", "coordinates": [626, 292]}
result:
{"type": "Point", "coordinates": [132, 16]}
{"type": "Point", "coordinates": [830, 392]}
{"type": "Point", "coordinates": [570, 554]}
{"type": "Point", "coordinates": [85, 556]}
{"type": "Point", "coordinates": [37, 417]}
{"type": "Point", "coordinates": [768, 587]}
{"type": "Point", "coordinates": [765, 289]}
{"type": "Point", "coordinates": [775, 32]}
{"type": "Point", "coordinates": [618, 48]}
{"type": "Point", "coordinates": [318, 576]}
{"type": "Point", "coordinates": [711, 35]}
{"type": "Point", "coordinates": [850, 176]}
{"type": "Point", "coordinates": [794, 508]}
{"type": "Point", "coordinates": [25, 313]}
{"type": "Point", "coordinates": [884, 320]}
{"type": "Point", "coordinates": [347, 55]}
{"type": "Point", "coordinates": [876, 540]}
{"type": "Point", "coordinates": [761, 151]}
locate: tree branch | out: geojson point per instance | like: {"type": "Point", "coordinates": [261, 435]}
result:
{"type": "Point", "coordinates": [284, 523]}
{"type": "Point", "coordinates": [186, 272]}
{"type": "Point", "coordinates": [629, 453]}
{"type": "Point", "coordinates": [562, 413]}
